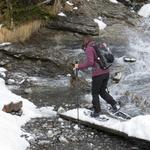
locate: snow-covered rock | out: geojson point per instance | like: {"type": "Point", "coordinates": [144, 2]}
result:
{"type": "Point", "coordinates": [145, 11]}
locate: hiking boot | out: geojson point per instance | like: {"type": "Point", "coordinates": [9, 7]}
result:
{"type": "Point", "coordinates": [95, 114]}
{"type": "Point", "coordinates": [116, 107]}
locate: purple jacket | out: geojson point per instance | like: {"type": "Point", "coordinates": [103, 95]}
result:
{"type": "Point", "coordinates": [91, 61]}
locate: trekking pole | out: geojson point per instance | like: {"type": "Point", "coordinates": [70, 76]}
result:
{"type": "Point", "coordinates": [77, 100]}
{"type": "Point", "coordinates": [107, 90]}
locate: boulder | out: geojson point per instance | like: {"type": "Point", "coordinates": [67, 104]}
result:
{"type": "Point", "coordinates": [13, 107]}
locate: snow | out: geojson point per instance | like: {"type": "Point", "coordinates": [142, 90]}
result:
{"type": "Point", "coordinates": [46, 1]}
{"type": "Point", "coordinates": [114, 1]}
{"type": "Point", "coordinates": [62, 14]}
{"type": "Point", "coordinates": [136, 127]}
{"type": "Point", "coordinates": [5, 44]}
{"type": "Point", "coordinates": [69, 3]}
{"type": "Point", "coordinates": [10, 126]}
{"type": "Point", "coordinates": [75, 8]}
{"type": "Point", "coordinates": [100, 23]}
{"type": "Point", "coordinates": [145, 11]}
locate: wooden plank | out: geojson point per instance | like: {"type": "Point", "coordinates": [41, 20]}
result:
{"type": "Point", "coordinates": [94, 126]}
{"type": "Point", "coordinates": [106, 129]}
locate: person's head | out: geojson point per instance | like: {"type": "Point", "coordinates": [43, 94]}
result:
{"type": "Point", "coordinates": [86, 39]}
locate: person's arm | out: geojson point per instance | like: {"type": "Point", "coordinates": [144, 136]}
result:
{"type": "Point", "coordinates": [89, 60]}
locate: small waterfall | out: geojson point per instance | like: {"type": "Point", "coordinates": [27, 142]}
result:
{"type": "Point", "coordinates": [136, 76]}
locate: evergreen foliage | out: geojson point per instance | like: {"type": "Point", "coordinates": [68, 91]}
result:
{"type": "Point", "coordinates": [20, 11]}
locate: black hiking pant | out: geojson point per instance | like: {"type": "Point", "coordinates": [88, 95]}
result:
{"type": "Point", "coordinates": [99, 85]}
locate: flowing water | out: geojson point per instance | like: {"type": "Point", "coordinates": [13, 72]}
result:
{"type": "Point", "coordinates": [135, 81]}
{"type": "Point", "coordinates": [133, 91]}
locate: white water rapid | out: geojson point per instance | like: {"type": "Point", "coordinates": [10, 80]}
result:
{"type": "Point", "coordinates": [135, 82]}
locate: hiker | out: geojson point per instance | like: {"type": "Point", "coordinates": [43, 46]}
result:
{"type": "Point", "coordinates": [100, 77]}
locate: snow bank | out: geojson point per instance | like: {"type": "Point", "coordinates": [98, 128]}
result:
{"type": "Point", "coordinates": [145, 11]}
{"type": "Point", "coordinates": [137, 127]}
{"type": "Point", "coordinates": [10, 126]}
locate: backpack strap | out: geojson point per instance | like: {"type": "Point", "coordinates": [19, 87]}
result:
{"type": "Point", "coordinates": [100, 57]}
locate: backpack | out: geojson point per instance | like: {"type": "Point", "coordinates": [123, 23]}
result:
{"type": "Point", "coordinates": [105, 58]}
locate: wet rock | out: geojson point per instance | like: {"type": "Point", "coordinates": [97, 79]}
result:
{"type": "Point", "coordinates": [51, 55]}
{"type": "Point", "coordinates": [4, 62]}
{"type": "Point", "coordinates": [60, 120]}
{"type": "Point", "coordinates": [63, 139]}
{"type": "Point", "coordinates": [28, 91]}
{"type": "Point", "coordinates": [10, 81]}
{"type": "Point", "coordinates": [129, 59]}
{"type": "Point", "coordinates": [50, 134]}
{"type": "Point", "coordinates": [17, 78]}
{"type": "Point", "coordinates": [134, 148]}
{"type": "Point", "coordinates": [68, 7]}
{"type": "Point", "coordinates": [76, 127]}
{"type": "Point", "coordinates": [42, 142]}
{"type": "Point", "coordinates": [117, 77]}
{"type": "Point", "coordinates": [18, 113]}
{"type": "Point", "coordinates": [126, 2]}
{"type": "Point", "coordinates": [62, 124]}
{"type": "Point", "coordinates": [78, 24]}
{"type": "Point", "coordinates": [90, 145]}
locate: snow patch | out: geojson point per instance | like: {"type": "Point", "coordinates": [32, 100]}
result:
{"type": "Point", "coordinates": [5, 44]}
{"type": "Point", "coordinates": [75, 8]}
{"type": "Point", "coordinates": [114, 1]}
{"type": "Point", "coordinates": [62, 14]}
{"type": "Point", "coordinates": [145, 11]}
{"type": "Point", "coordinates": [69, 3]}
{"type": "Point", "coordinates": [100, 23]}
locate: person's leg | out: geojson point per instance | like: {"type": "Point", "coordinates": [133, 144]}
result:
{"type": "Point", "coordinates": [103, 93]}
{"type": "Point", "coordinates": [96, 83]}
